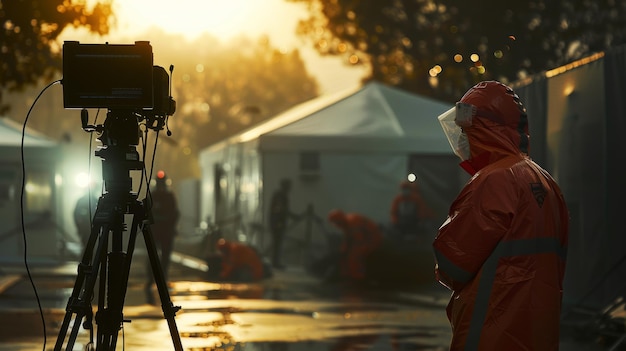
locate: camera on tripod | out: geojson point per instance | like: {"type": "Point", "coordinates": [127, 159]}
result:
{"type": "Point", "coordinates": [122, 79]}
{"type": "Point", "coordinates": [116, 77]}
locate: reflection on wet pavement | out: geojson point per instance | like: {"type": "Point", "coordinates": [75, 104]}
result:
{"type": "Point", "coordinates": [309, 316]}
{"type": "Point", "coordinates": [290, 311]}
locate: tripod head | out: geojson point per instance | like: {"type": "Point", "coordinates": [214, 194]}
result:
{"type": "Point", "coordinates": [119, 138]}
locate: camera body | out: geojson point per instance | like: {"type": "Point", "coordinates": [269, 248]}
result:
{"type": "Point", "coordinates": [115, 77]}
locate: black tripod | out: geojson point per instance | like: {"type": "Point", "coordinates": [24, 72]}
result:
{"type": "Point", "coordinates": [104, 259]}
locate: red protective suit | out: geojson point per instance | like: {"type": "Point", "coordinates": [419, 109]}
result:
{"type": "Point", "coordinates": [362, 236]}
{"type": "Point", "coordinates": [238, 261]}
{"type": "Point", "coordinates": [408, 208]}
{"type": "Point", "coordinates": [502, 248]}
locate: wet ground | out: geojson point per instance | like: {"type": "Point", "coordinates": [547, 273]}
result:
{"type": "Point", "coordinates": [290, 311]}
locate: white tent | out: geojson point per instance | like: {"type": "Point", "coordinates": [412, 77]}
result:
{"type": "Point", "coordinates": [374, 117]}
{"type": "Point", "coordinates": [40, 194]}
{"type": "Point", "coordinates": [11, 138]}
{"type": "Point", "coordinates": [348, 151]}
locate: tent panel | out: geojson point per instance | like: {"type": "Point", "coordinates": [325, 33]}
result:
{"type": "Point", "coordinates": [576, 154]}
{"type": "Point", "coordinates": [615, 86]}
{"type": "Point", "coordinates": [432, 144]}
{"type": "Point", "coordinates": [353, 182]}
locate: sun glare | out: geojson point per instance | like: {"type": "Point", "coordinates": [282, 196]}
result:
{"type": "Point", "coordinates": [223, 18]}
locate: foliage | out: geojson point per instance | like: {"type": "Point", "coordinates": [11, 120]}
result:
{"type": "Point", "coordinates": [426, 46]}
{"type": "Point", "coordinates": [220, 89]}
{"type": "Point", "coordinates": [223, 89]}
{"type": "Point", "coordinates": [28, 49]}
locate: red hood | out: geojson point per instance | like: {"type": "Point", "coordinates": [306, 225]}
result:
{"type": "Point", "coordinates": [490, 142]}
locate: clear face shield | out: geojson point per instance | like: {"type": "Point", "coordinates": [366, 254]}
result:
{"type": "Point", "coordinates": [453, 121]}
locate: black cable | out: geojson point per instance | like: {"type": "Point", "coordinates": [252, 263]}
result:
{"type": "Point", "coordinates": [144, 175]}
{"type": "Point", "coordinates": [91, 214]}
{"type": "Point", "coordinates": [154, 152]}
{"type": "Point", "coordinates": [89, 191]}
{"type": "Point", "coordinates": [144, 145]}
{"type": "Point", "coordinates": [30, 277]}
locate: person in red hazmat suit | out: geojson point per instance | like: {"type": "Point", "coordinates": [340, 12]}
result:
{"type": "Point", "coordinates": [408, 208]}
{"type": "Point", "coordinates": [239, 262]}
{"type": "Point", "coordinates": [361, 237]}
{"type": "Point", "coordinates": [502, 249]}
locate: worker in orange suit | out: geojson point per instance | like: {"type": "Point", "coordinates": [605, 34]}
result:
{"type": "Point", "coordinates": [503, 247]}
{"type": "Point", "coordinates": [240, 262]}
{"type": "Point", "coordinates": [362, 236]}
{"type": "Point", "coordinates": [408, 208]}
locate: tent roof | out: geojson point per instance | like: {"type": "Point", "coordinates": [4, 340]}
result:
{"type": "Point", "coordinates": [371, 117]}
{"type": "Point", "coordinates": [11, 135]}
{"type": "Point", "coordinates": [374, 110]}
{"type": "Point", "coordinates": [376, 117]}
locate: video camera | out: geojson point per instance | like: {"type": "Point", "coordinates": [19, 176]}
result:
{"type": "Point", "coordinates": [116, 77]}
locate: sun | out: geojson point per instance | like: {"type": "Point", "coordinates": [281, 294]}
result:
{"type": "Point", "coordinates": [222, 18]}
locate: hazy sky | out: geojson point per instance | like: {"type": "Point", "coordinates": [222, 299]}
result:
{"type": "Point", "coordinates": [226, 19]}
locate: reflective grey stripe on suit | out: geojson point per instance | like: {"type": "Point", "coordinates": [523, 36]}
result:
{"type": "Point", "coordinates": [519, 247]}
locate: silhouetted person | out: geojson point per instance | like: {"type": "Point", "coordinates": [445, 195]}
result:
{"type": "Point", "coordinates": [83, 214]}
{"type": "Point", "coordinates": [279, 214]}
{"type": "Point", "coordinates": [164, 210]}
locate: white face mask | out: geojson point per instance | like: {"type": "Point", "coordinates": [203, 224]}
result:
{"type": "Point", "coordinates": [457, 139]}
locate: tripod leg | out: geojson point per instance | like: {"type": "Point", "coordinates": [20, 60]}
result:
{"type": "Point", "coordinates": [114, 279]}
{"type": "Point", "coordinates": [169, 310]}
{"type": "Point", "coordinates": [79, 303]}
{"type": "Point", "coordinates": [118, 267]}
{"type": "Point", "coordinates": [110, 317]}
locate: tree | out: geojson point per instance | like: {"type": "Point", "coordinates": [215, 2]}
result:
{"type": "Point", "coordinates": [222, 89]}
{"type": "Point", "coordinates": [441, 47]}
{"type": "Point", "coordinates": [28, 47]}
{"type": "Point", "coordinates": [219, 88]}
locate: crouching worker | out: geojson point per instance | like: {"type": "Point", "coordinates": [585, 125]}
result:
{"type": "Point", "coordinates": [240, 262]}
{"type": "Point", "coordinates": [361, 237]}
